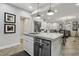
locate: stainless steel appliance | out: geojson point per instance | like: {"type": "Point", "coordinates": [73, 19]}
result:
{"type": "Point", "coordinates": [42, 47]}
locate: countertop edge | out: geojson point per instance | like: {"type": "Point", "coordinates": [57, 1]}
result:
{"type": "Point", "coordinates": [42, 36]}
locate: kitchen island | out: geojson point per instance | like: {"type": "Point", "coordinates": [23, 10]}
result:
{"type": "Point", "coordinates": [49, 44]}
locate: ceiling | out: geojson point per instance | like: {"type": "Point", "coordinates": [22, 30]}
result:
{"type": "Point", "coordinates": [30, 7]}
{"type": "Point", "coordinates": [64, 11]}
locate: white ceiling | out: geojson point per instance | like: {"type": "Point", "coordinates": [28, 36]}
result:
{"type": "Point", "coordinates": [30, 7]}
{"type": "Point", "coordinates": [65, 11]}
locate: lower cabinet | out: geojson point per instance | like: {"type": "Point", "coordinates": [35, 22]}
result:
{"type": "Point", "coordinates": [28, 46]}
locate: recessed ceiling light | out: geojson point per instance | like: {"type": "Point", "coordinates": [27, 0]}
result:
{"type": "Point", "coordinates": [55, 10]}
{"type": "Point", "coordinates": [77, 4]}
{"type": "Point", "coordinates": [30, 7]}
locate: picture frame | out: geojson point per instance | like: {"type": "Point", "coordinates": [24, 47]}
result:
{"type": "Point", "coordinates": [9, 18]}
{"type": "Point", "coordinates": [9, 28]}
{"type": "Point", "coordinates": [75, 26]}
{"type": "Point", "coordinates": [78, 25]}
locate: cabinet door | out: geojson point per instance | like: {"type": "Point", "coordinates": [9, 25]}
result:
{"type": "Point", "coordinates": [27, 38]}
{"type": "Point", "coordinates": [28, 47]}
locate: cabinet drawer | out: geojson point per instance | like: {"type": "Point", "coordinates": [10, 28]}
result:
{"type": "Point", "coordinates": [27, 41]}
{"type": "Point", "coordinates": [28, 47]}
{"type": "Point", "coordinates": [26, 38]}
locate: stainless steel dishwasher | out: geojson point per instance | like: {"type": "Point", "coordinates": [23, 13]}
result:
{"type": "Point", "coordinates": [42, 47]}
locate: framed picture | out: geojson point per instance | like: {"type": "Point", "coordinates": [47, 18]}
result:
{"type": "Point", "coordinates": [78, 25]}
{"type": "Point", "coordinates": [9, 18]}
{"type": "Point", "coordinates": [9, 28]}
{"type": "Point", "coordinates": [75, 26]}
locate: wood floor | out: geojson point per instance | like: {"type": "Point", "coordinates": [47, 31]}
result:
{"type": "Point", "coordinates": [12, 50]}
{"type": "Point", "coordinates": [70, 49]}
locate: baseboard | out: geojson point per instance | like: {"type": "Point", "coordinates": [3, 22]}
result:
{"type": "Point", "coordinates": [8, 46]}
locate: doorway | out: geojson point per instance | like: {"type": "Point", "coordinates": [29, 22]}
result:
{"type": "Point", "coordinates": [23, 26]}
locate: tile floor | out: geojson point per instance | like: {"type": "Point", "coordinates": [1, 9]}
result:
{"type": "Point", "coordinates": [70, 49]}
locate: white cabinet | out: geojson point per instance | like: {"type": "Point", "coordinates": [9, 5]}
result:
{"type": "Point", "coordinates": [29, 45]}
{"type": "Point", "coordinates": [56, 47]}
{"type": "Point", "coordinates": [28, 41]}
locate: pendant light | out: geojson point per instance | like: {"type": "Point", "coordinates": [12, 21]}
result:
{"type": "Point", "coordinates": [38, 15]}
{"type": "Point", "coordinates": [50, 12]}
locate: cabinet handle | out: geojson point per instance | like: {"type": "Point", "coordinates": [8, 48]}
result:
{"type": "Point", "coordinates": [45, 44]}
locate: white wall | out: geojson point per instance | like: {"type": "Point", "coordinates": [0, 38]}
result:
{"type": "Point", "coordinates": [7, 40]}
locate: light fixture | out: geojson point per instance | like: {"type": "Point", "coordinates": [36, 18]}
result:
{"type": "Point", "coordinates": [50, 12]}
{"type": "Point", "coordinates": [38, 15]}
